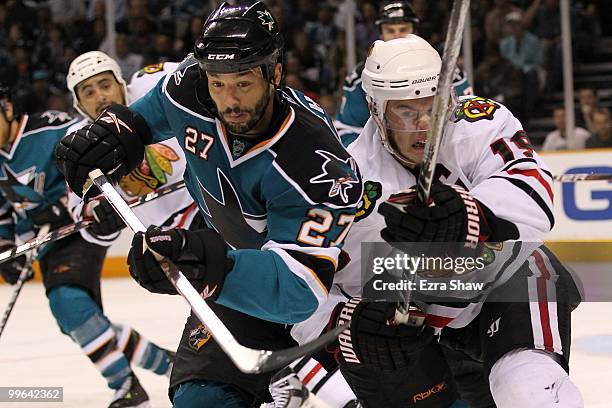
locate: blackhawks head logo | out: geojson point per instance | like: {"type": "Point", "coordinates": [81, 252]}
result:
{"type": "Point", "coordinates": [475, 109]}
{"type": "Point", "coordinates": [151, 173]}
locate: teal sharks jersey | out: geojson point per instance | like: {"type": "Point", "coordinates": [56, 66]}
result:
{"type": "Point", "coordinates": [353, 113]}
{"type": "Point", "coordinates": [29, 179]}
{"type": "Point", "coordinates": [283, 204]}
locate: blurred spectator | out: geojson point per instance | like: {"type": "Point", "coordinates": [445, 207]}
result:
{"type": "Point", "coordinates": [498, 79]}
{"type": "Point", "coordinates": [366, 31]}
{"type": "Point", "coordinates": [323, 31]}
{"type": "Point", "coordinates": [495, 20]}
{"type": "Point", "coordinates": [189, 39]}
{"type": "Point", "coordinates": [602, 130]}
{"type": "Point", "coordinates": [310, 59]}
{"type": "Point", "coordinates": [519, 46]}
{"type": "Point", "coordinates": [139, 31]}
{"type": "Point", "coordinates": [329, 103]}
{"type": "Point", "coordinates": [128, 61]}
{"type": "Point", "coordinates": [323, 35]}
{"type": "Point", "coordinates": [557, 139]}
{"type": "Point", "coordinates": [97, 9]}
{"type": "Point", "coordinates": [543, 18]}
{"type": "Point", "coordinates": [522, 49]}
{"type": "Point", "coordinates": [306, 11]}
{"type": "Point", "coordinates": [36, 100]}
{"type": "Point", "coordinates": [589, 104]}
{"type": "Point", "coordinates": [163, 49]}
{"type": "Point", "coordinates": [66, 11]}
{"type": "Point", "coordinates": [58, 102]}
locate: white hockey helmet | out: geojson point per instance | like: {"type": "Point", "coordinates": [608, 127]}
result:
{"type": "Point", "coordinates": [87, 65]}
{"type": "Point", "coordinates": [399, 69]}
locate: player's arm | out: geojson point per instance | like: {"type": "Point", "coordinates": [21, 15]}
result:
{"type": "Point", "coordinates": [283, 282]}
{"type": "Point", "coordinates": [512, 184]}
{"type": "Point", "coordinates": [295, 268]}
{"type": "Point", "coordinates": [289, 276]}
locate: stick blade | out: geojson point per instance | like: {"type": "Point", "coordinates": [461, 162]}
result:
{"type": "Point", "coordinates": [281, 358]}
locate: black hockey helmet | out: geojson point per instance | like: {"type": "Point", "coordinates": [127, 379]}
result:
{"type": "Point", "coordinates": [396, 12]}
{"type": "Point", "coordinates": [239, 37]}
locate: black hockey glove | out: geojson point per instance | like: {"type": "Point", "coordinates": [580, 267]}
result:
{"type": "Point", "coordinates": [201, 255]}
{"type": "Point", "coordinates": [375, 341]}
{"type": "Point", "coordinates": [452, 216]}
{"type": "Point", "coordinates": [107, 220]}
{"type": "Point", "coordinates": [114, 143]}
{"type": "Point", "coordinates": [55, 215]}
{"type": "Point", "coordinates": [11, 269]}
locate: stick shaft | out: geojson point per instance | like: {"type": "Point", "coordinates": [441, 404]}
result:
{"type": "Point", "coordinates": [452, 46]}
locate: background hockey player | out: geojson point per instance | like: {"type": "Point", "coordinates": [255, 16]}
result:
{"type": "Point", "coordinates": [396, 19]}
{"type": "Point", "coordinates": [95, 81]}
{"type": "Point", "coordinates": [271, 178]}
{"type": "Point", "coordinates": [34, 194]}
{"type": "Point", "coordinates": [518, 351]}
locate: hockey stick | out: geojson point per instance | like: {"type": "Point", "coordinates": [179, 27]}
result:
{"type": "Point", "coordinates": [573, 178]}
{"type": "Point", "coordinates": [70, 229]}
{"type": "Point", "coordinates": [246, 359]}
{"type": "Point", "coordinates": [26, 273]}
{"type": "Point", "coordinates": [439, 116]}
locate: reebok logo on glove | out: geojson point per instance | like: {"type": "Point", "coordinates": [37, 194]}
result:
{"type": "Point", "coordinates": [112, 119]}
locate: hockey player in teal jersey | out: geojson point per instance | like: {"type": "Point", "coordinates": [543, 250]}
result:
{"type": "Point", "coordinates": [32, 193]}
{"type": "Point", "coordinates": [30, 184]}
{"type": "Point", "coordinates": [271, 178]}
{"type": "Point", "coordinates": [396, 19]}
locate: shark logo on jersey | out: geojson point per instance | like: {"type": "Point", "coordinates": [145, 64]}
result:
{"type": "Point", "coordinates": [340, 173]}
{"type": "Point", "coordinates": [266, 19]}
{"type": "Point", "coordinates": [239, 229]}
{"type": "Point", "coordinates": [52, 116]}
{"type": "Point", "coordinates": [23, 190]}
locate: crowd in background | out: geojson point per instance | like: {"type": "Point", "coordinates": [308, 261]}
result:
{"type": "Point", "coordinates": [516, 46]}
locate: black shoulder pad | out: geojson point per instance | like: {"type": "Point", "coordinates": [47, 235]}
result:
{"type": "Point", "coordinates": [311, 155]}
{"type": "Point", "coordinates": [48, 118]}
{"type": "Point", "coordinates": [182, 86]}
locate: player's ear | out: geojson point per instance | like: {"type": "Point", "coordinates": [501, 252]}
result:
{"type": "Point", "coordinates": [278, 74]}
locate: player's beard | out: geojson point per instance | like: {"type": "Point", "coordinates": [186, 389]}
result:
{"type": "Point", "coordinates": [255, 113]}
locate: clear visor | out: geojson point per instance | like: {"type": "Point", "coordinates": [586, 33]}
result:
{"type": "Point", "coordinates": [408, 115]}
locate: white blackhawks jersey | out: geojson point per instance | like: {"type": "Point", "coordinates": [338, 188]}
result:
{"type": "Point", "coordinates": [164, 164]}
{"type": "Point", "coordinates": [483, 149]}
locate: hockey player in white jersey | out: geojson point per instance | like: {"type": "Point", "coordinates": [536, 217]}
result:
{"type": "Point", "coordinates": [95, 82]}
{"type": "Point", "coordinates": [90, 80]}
{"type": "Point", "coordinates": [486, 166]}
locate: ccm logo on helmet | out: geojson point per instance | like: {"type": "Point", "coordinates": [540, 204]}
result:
{"type": "Point", "coordinates": [221, 56]}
